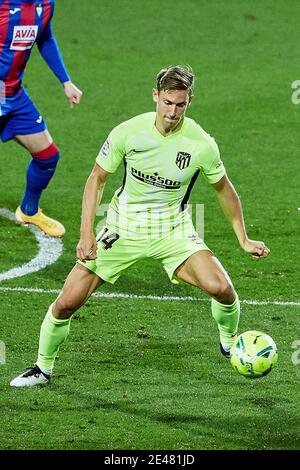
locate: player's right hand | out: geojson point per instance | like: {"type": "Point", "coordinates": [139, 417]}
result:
{"type": "Point", "coordinates": [86, 248]}
{"type": "Point", "coordinates": [72, 93]}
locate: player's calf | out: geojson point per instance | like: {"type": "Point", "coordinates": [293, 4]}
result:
{"type": "Point", "coordinates": [227, 318]}
{"type": "Point", "coordinates": [39, 173]}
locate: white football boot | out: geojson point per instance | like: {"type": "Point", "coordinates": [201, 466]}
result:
{"type": "Point", "coordinates": [30, 378]}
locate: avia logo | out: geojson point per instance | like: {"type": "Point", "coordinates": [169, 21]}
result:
{"type": "Point", "coordinates": [23, 37]}
{"type": "Point", "coordinates": [183, 160]}
{"type": "Point", "coordinates": [155, 180]}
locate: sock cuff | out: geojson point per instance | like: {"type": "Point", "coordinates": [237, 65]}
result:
{"type": "Point", "coordinates": [227, 306]}
{"type": "Point", "coordinates": [48, 152]}
{"type": "Point", "coordinates": [54, 320]}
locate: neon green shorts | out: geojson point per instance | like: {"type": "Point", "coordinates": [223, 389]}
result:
{"type": "Point", "coordinates": [116, 253]}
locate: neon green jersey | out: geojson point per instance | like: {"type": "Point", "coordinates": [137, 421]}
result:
{"type": "Point", "coordinates": [159, 173]}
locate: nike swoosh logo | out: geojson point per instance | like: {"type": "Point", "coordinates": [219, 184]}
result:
{"type": "Point", "coordinates": [15, 10]}
{"type": "Point", "coordinates": [136, 151]}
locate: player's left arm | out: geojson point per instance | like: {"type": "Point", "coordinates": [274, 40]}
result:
{"type": "Point", "coordinates": [232, 208]}
{"type": "Point", "coordinates": [50, 52]}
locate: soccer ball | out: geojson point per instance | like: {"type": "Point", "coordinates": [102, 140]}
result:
{"type": "Point", "coordinates": [253, 354]}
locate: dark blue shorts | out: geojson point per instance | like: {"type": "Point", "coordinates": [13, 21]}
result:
{"type": "Point", "coordinates": [19, 116]}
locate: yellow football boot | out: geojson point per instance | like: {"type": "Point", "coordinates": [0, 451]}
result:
{"type": "Point", "coordinates": [51, 227]}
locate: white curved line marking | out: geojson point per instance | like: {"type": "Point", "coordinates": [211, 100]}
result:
{"type": "Point", "coordinates": [50, 250]}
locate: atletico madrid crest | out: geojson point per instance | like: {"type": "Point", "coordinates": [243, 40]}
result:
{"type": "Point", "coordinates": [183, 160]}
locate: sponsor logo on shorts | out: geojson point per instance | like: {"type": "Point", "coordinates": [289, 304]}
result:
{"type": "Point", "coordinates": [183, 160]}
{"type": "Point", "coordinates": [155, 180]}
{"type": "Point", "coordinates": [23, 37]}
{"type": "Point", "coordinates": [105, 149]}
{"type": "Point", "coordinates": [194, 237]}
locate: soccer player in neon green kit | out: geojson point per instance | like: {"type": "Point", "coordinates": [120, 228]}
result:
{"type": "Point", "coordinates": [163, 153]}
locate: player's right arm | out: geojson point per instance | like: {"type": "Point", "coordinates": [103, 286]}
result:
{"type": "Point", "coordinates": [50, 52]}
{"type": "Point", "coordinates": [93, 191]}
{"type": "Point", "coordinates": [109, 158]}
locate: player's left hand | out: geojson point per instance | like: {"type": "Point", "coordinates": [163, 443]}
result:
{"type": "Point", "coordinates": [72, 93]}
{"type": "Point", "coordinates": [256, 248]}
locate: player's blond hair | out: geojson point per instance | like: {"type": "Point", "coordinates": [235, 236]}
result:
{"type": "Point", "coordinates": [178, 77]}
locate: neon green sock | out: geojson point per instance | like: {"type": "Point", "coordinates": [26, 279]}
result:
{"type": "Point", "coordinates": [227, 318]}
{"type": "Point", "coordinates": [53, 333]}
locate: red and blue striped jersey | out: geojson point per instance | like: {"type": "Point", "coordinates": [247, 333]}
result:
{"type": "Point", "coordinates": [22, 24]}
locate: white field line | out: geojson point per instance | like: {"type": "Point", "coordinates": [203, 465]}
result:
{"type": "Point", "coordinates": [50, 250]}
{"type": "Point", "coordinates": [116, 295]}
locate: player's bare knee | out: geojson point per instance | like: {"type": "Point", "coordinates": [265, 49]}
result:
{"type": "Point", "coordinates": [225, 293]}
{"type": "Point", "coordinates": [222, 290]}
{"type": "Point", "coordinates": [64, 308]}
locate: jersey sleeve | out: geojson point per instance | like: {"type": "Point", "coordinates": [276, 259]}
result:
{"type": "Point", "coordinates": [212, 166]}
{"type": "Point", "coordinates": [112, 151]}
{"type": "Point", "coordinates": [50, 52]}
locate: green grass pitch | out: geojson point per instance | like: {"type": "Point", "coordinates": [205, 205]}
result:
{"type": "Point", "coordinates": [142, 373]}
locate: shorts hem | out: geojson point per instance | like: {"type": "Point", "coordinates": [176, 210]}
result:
{"type": "Point", "coordinates": [172, 276]}
{"type": "Point", "coordinates": [11, 135]}
{"type": "Point", "coordinates": [111, 281]}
